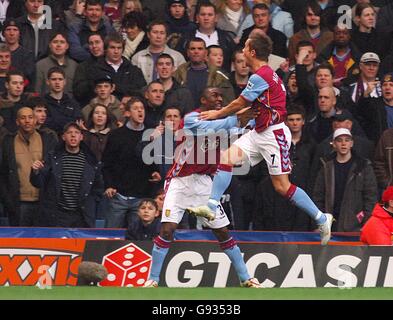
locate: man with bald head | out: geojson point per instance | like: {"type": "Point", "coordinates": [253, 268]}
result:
{"type": "Point", "coordinates": [19, 151]}
{"type": "Point", "coordinates": [320, 126]}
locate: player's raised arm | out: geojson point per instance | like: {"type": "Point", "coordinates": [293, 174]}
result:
{"type": "Point", "coordinates": [235, 106]}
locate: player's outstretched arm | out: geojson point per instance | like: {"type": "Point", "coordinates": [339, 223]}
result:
{"type": "Point", "coordinates": [235, 106]}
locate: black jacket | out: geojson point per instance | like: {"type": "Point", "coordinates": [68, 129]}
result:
{"type": "Point", "coordinates": [49, 180]}
{"type": "Point", "coordinates": [27, 36]}
{"type": "Point", "coordinates": [9, 179]}
{"type": "Point", "coordinates": [129, 79]}
{"type": "Point", "coordinates": [137, 231]}
{"type": "Point", "coordinates": [124, 168]}
{"type": "Point", "coordinates": [83, 84]}
{"type": "Point", "coordinates": [60, 112]}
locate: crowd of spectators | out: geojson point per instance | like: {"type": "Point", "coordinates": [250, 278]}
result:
{"type": "Point", "coordinates": [81, 82]}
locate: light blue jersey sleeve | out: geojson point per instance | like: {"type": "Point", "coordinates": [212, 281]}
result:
{"type": "Point", "coordinates": [193, 123]}
{"type": "Point", "coordinates": [255, 87]}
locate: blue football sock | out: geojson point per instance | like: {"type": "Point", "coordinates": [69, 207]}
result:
{"type": "Point", "coordinates": [234, 254]}
{"type": "Point", "coordinates": [160, 250]}
{"type": "Point", "coordinates": [301, 200]}
{"type": "Point", "coordinates": [221, 182]}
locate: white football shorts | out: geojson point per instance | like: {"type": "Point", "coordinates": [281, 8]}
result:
{"type": "Point", "coordinates": [272, 144]}
{"type": "Point", "coordinates": [190, 191]}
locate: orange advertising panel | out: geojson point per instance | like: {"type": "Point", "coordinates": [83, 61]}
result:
{"type": "Point", "coordinates": [23, 262]}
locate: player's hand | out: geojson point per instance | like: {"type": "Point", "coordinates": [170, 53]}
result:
{"type": "Point", "coordinates": [155, 177]}
{"type": "Point", "coordinates": [245, 115]}
{"type": "Point", "coordinates": [110, 192]}
{"type": "Point", "coordinates": [37, 165]}
{"type": "Point", "coordinates": [209, 115]}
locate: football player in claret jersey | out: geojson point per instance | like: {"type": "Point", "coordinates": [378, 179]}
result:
{"type": "Point", "coordinates": [190, 185]}
{"type": "Point", "coordinates": [270, 140]}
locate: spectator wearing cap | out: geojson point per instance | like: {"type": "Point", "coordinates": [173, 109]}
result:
{"type": "Point", "coordinates": [146, 59]}
{"type": "Point", "coordinates": [134, 25]}
{"type": "Point", "coordinates": [61, 107]}
{"type": "Point", "coordinates": [341, 53]}
{"type": "Point", "coordinates": [379, 228]}
{"type": "Point", "coordinates": [346, 185]}
{"type": "Point", "coordinates": [21, 58]}
{"type": "Point", "coordinates": [361, 145]}
{"type": "Point", "coordinates": [83, 84]}
{"type": "Point", "coordinates": [375, 115]}
{"type": "Point", "coordinates": [80, 31]}
{"type": "Point", "coordinates": [68, 179]}
{"type": "Point", "coordinates": [178, 21]}
{"type": "Point", "coordinates": [104, 87]}
{"type": "Point", "coordinates": [35, 34]}
{"type": "Point", "coordinates": [19, 150]}
{"type": "Point", "coordinates": [58, 48]}
{"type": "Point", "coordinates": [367, 83]}
{"type": "Point", "coordinates": [128, 79]}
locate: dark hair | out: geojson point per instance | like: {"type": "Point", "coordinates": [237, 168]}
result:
{"type": "Point", "coordinates": [158, 23]}
{"type": "Point", "coordinates": [315, 7]}
{"type": "Point", "coordinates": [171, 107]}
{"type": "Point", "coordinates": [134, 18]}
{"type": "Point", "coordinates": [325, 65]}
{"type": "Point", "coordinates": [14, 73]}
{"type": "Point", "coordinates": [262, 45]}
{"type": "Point", "coordinates": [304, 43]}
{"type": "Point", "coordinates": [35, 102]}
{"type": "Point", "coordinates": [148, 200]}
{"type": "Point", "coordinates": [195, 39]}
{"type": "Point", "coordinates": [110, 118]}
{"type": "Point", "coordinates": [295, 108]}
{"type": "Point", "coordinates": [260, 6]}
{"type": "Point", "coordinates": [237, 51]}
{"type": "Point", "coordinates": [205, 3]}
{"type": "Point", "coordinates": [71, 125]}
{"type": "Point", "coordinates": [113, 37]}
{"type": "Point", "coordinates": [127, 106]}
{"type": "Point", "coordinates": [214, 46]}
{"type": "Point", "coordinates": [56, 69]}
{"type": "Point", "coordinates": [151, 83]}
{"type": "Point", "coordinates": [362, 6]}
{"type": "Point", "coordinates": [165, 56]}
{"type": "Point", "coordinates": [59, 33]}
{"type": "Point", "coordinates": [95, 34]}
{"type": "Point", "coordinates": [94, 3]}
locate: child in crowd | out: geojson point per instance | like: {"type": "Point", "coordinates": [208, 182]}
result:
{"type": "Point", "coordinates": [147, 225]}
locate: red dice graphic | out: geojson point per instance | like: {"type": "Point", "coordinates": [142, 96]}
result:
{"type": "Point", "coordinates": [128, 266]}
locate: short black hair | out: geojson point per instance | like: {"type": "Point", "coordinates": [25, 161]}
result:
{"type": "Point", "coordinates": [148, 200]}
{"type": "Point", "coordinates": [71, 125]}
{"type": "Point", "coordinates": [134, 18]}
{"type": "Point", "coordinates": [94, 3]}
{"type": "Point", "coordinates": [165, 56]}
{"type": "Point", "coordinates": [14, 73]}
{"type": "Point", "coordinates": [56, 69]}
{"type": "Point", "coordinates": [295, 108]}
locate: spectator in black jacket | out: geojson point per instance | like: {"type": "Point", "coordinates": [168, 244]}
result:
{"type": "Point", "coordinates": [261, 17]}
{"type": "Point", "coordinates": [19, 150]}
{"type": "Point", "coordinates": [68, 178]}
{"type": "Point", "coordinates": [21, 58]}
{"type": "Point", "coordinates": [148, 224]}
{"type": "Point", "coordinates": [37, 20]}
{"type": "Point", "coordinates": [80, 32]}
{"type": "Point", "coordinates": [175, 94]}
{"type": "Point", "coordinates": [128, 79]}
{"type": "Point", "coordinates": [62, 109]}
{"type": "Point", "coordinates": [154, 95]}
{"type": "Point", "coordinates": [206, 18]}
{"type": "Point", "coordinates": [127, 178]}
{"type": "Point", "coordinates": [83, 85]}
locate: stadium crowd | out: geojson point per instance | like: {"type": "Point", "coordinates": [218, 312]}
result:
{"type": "Point", "coordinates": [81, 82]}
